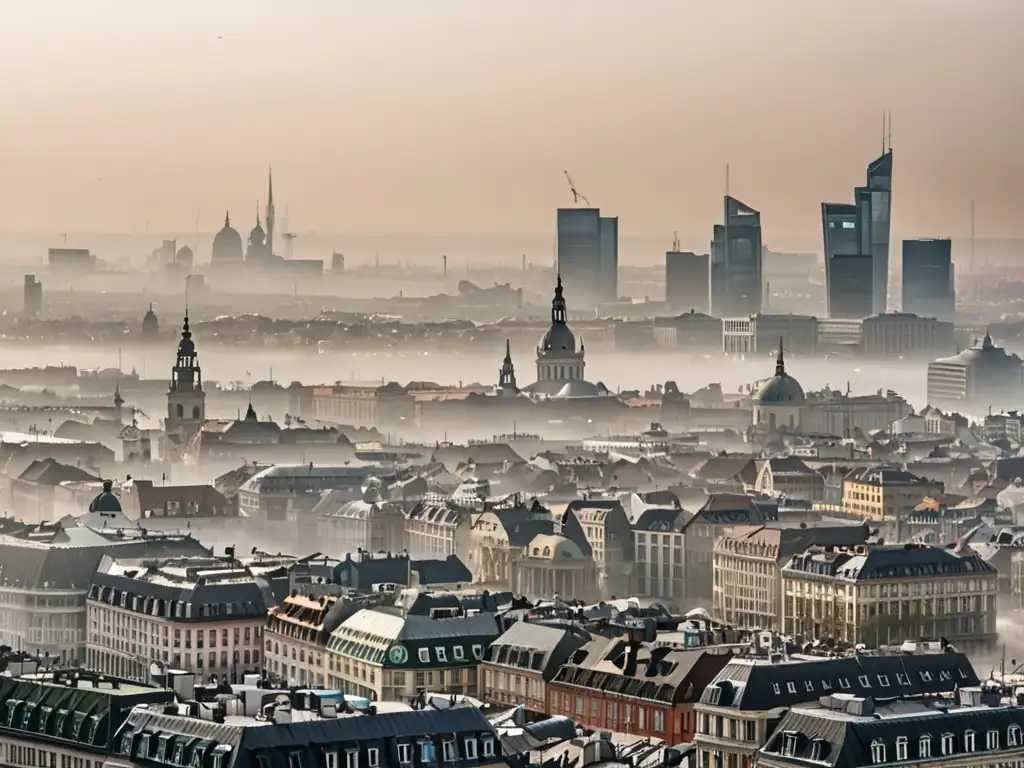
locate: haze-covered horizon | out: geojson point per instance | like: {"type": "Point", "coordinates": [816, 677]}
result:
{"type": "Point", "coordinates": [458, 119]}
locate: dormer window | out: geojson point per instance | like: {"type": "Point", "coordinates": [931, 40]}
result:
{"type": "Point", "coordinates": [901, 748]}
{"type": "Point", "coordinates": [969, 741]}
{"type": "Point", "coordinates": [448, 751]}
{"type": "Point", "coordinates": [427, 752]}
{"type": "Point", "coordinates": [331, 759]}
{"type": "Point", "coordinates": [1013, 736]}
{"type": "Point", "coordinates": [144, 745]}
{"type": "Point", "coordinates": [197, 757]}
{"type": "Point", "coordinates": [992, 740]}
{"type": "Point", "coordinates": [459, 653]}
{"type": "Point", "coordinates": [902, 679]}
{"type": "Point", "coordinates": [924, 746]}
{"type": "Point", "coordinates": [926, 676]}
{"type": "Point", "coordinates": [864, 682]}
{"type": "Point", "coordinates": [442, 654]}
{"type": "Point", "coordinates": [488, 747]}
{"type": "Point", "coordinates": [844, 683]}
{"type": "Point", "coordinates": [877, 751]}
{"type": "Point", "coordinates": [775, 689]}
{"type": "Point", "coordinates": [373, 757]}
{"type": "Point", "coordinates": [126, 744]}
{"type": "Point", "coordinates": [179, 753]}
{"type": "Point", "coordinates": [818, 750]}
{"type": "Point", "coordinates": [424, 654]}
{"type": "Point", "coordinates": [789, 743]}
{"type": "Point", "coordinates": [791, 687]}
{"type": "Point", "coordinates": [478, 652]}
{"type": "Point", "coordinates": [809, 685]}
{"type": "Point", "coordinates": [351, 758]}
{"type": "Point", "coordinates": [294, 759]}
{"type": "Point", "coordinates": [947, 744]}
{"type": "Point", "coordinates": [883, 680]}
{"type": "Point", "coordinates": [404, 754]}
{"type": "Point", "coordinates": [470, 749]}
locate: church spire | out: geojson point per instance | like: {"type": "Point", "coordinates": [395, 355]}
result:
{"type": "Point", "coordinates": [227, 218]}
{"type": "Point", "coordinates": [270, 211]}
{"type": "Point", "coordinates": [558, 303]}
{"type": "Point", "coordinates": [780, 363]}
{"type": "Point", "coordinates": [507, 375]}
{"type": "Point", "coordinates": [257, 213]}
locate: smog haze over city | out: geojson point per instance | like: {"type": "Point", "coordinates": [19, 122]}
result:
{"type": "Point", "coordinates": [582, 348]}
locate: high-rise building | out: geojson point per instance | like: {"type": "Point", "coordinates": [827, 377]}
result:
{"type": "Point", "coordinates": [588, 253]}
{"type": "Point", "coordinates": [848, 263]}
{"type": "Point", "coordinates": [33, 297]}
{"type": "Point", "coordinates": [857, 245]}
{"type": "Point", "coordinates": [736, 262]}
{"type": "Point", "coordinates": [687, 281]}
{"type": "Point", "coordinates": [929, 288]}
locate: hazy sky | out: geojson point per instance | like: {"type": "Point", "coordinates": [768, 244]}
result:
{"type": "Point", "coordinates": [458, 116]}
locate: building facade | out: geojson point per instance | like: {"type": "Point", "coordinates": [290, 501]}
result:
{"type": "Point", "coordinates": [588, 255]}
{"type": "Point", "coordinates": [929, 282]}
{"type": "Point", "coordinates": [687, 281]}
{"type": "Point", "coordinates": [736, 252]}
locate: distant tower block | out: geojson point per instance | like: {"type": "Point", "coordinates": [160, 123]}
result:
{"type": "Point", "coordinates": [33, 297]}
{"type": "Point", "coordinates": [337, 262]}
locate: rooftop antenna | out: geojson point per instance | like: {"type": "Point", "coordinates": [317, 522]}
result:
{"type": "Point", "coordinates": [444, 263]}
{"type": "Point", "coordinates": [675, 242]}
{"type": "Point", "coordinates": [890, 131]}
{"type": "Point", "coordinates": [883, 131]}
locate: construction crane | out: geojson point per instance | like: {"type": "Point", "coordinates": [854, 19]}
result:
{"type": "Point", "coordinates": [675, 242]}
{"type": "Point", "coordinates": [576, 196]}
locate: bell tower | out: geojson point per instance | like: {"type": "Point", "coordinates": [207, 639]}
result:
{"type": "Point", "coordinates": [186, 400]}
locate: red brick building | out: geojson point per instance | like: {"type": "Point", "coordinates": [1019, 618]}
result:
{"type": "Point", "coordinates": [616, 684]}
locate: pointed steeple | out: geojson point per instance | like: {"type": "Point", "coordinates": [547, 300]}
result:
{"type": "Point", "coordinates": [780, 364]}
{"type": "Point", "coordinates": [257, 213]}
{"type": "Point", "coordinates": [227, 218]}
{"type": "Point", "coordinates": [507, 374]}
{"type": "Point", "coordinates": [250, 413]}
{"type": "Point", "coordinates": [118, 400]}
{"type": "Point", "coordinates": [270, 211]}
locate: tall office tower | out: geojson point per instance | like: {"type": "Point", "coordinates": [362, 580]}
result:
{"type": "Point", "coordinates": [862, 253]}
{"type": "Point", "coordinates": [929, 287]}
{"type": "Point", "coordinates": [687, 281]}
{"type": "Point", "coordinates": [849, 281]}
{"type": "Point", "coordinates": [588, 254]}
{"type": "Point", "coordinates": [736, 262]}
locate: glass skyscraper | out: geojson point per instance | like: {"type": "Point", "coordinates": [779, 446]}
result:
{"type": "Point", "coordinates": [736, 262]}
{"type": "Point", "coordinates": [588, 254]}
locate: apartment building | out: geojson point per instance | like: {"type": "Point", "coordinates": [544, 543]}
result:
{"type": "Point", "coordinates": [523, 660]}
{"type": "Point", "coordinates": [748, 568]}
{"type": "Point", "coordinates": [886, 494]}
{"type": "Point", "coordinates": [438, 528]}
{"type": "Point", "coordinates": [627, 686]}
{"type": "Point", "coordinates": [659, 557]}
{"type": "Point", "coordinates": [296, 636]}
{"type": "Point", "coordinates": [891, 593]}
{"type": "Point", "coordinates": [607, 528]}
{"type": "Point", "coordinates": [201, 614]}
{"type": "Point", "coordinates": [740, 709]}
{"type": "Point", "coordinates": [384, 656]}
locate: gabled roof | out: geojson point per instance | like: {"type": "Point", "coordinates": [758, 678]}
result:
{"type": "Point", "coordinates": [52, 472]}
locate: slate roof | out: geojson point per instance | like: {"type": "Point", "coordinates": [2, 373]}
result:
{"type": "Point", "coordinates": [255, 745]}
{"type": "Point", "coordinates": [824, 737]}
{"type": "Point", "coordinates": [536, 647]}
{"type": "Point", "coordinates": [363, 574]}
{"type": "Point", "coordinates": [892, 561]}
{"type": "Point", "coordinates": [52, 472]}
{"type": "Point", "coordinates": [751, 685]}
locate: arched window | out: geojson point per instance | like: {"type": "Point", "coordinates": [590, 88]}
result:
{"type": "Point", "coordinates": [180, 410]}
{"type": "Point", "coordinates": [195, 412]}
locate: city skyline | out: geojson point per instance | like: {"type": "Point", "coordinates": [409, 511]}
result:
{"type": "Point", "coordinates": [378, 127]}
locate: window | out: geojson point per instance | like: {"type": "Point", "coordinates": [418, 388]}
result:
{"type": "Point", "coordinates": [969, 741]}
{"type": "Point", "coordinates": [478, 652]}
{"type": "Point", "coordinates": [351, 758]}
{"type": "Point", "coordinates": [179, 753]}
{"type": "Point", "coordinates": [373, 757]}
{"type": "Point", "coordinates": [294, 760]}
{"type": "Point", "coordinates": [448, 751]}
{"type": "Point", "coordinates": [901, 748]}
{"type": "Point", "coordinates": [488, 747]}
{"type": "Point", "coordinates": [459, 653]}
{"type": "Point", "coordinates": [791, 687]}
{"type": "Point", "coordinates": [878, 751]}
{"type": "Point", "coordinates": [471, 749]}
{"type": "Point", "coordinates": [126, 744]}
{"type": "Point", "coordinates": [924, 747]}
{"type": "Point", "coordinates": [863, 680]}
{"type": "Point", "coordinates": [947, 744]}
{"type": "Point", "coordinates": [427, 751]}
{"type": "Point", "coordinates": [442, 654]}
{"type": "Point", "coordinates": [992, 740]}
{"type": "Point", "coordinates": [1013, 736]}
{"type": "Point", "coordinates": [659, 720]}
{"type": "Point", "coordinates": [883, 680]}
{"type": "Point", "coordinates": [404, 754]}
{"type": "Point", "coordinates": [818, 750]}
{"type": "Point", "coordinates": [424, 655]}
{"type": "Point", "coordinates": [788, 744]}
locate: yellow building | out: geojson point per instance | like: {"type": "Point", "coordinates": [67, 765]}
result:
{"type": "Point", "coordinates": [888, 594]}
{"type": "Point", "coordinates": [886, 493]}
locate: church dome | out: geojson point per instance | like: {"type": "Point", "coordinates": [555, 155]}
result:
{"type": "Point", "coordinates": [559, 337]}
{"type": "Point", "coordinates": [780, 389]}
{"type": "Point", "coordinates": [150, 324]}
{"type": "Point", "coordinates": [106, 501]}
{"type": "Point", "coordinates": [227, 244]}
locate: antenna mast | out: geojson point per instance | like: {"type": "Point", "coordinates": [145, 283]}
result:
{"type": "Point", "coordinates": [890, 131]}
{"type": "Point", "coordinates": [972, 238]}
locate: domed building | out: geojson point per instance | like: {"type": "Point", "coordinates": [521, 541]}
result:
{"type": "Point", "coordinates": [227, 244]}
{"type": "Point", "coordinates": [978, 379]}
{"type": "Point", "coordinates": [560, 365]}
{"type": "Point", "coordinates": [150, 324]}
{"type": "Point", "coordinates": [780, 400]}
{"type": "Point", "coordinates": [185, 257]}
{"type": "Point", "coordinates": [257, 248]}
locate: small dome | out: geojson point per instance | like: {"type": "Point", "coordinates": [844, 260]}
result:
{"type": "Point", "coordinates": [558, 338]}
{"type": "Point", "coordinates": [106, 501]}
{"type": "Point", "coordinates": [257, 236]}
{"type": "Point", "coordinates": [227, 244]}
{"type": "Point", "coordinates": [581, 388]}
{"type": "Point", "coordinates": [781, 389]}
{"type": "Point", "coordinates": [184, 254]}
